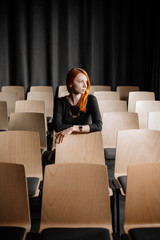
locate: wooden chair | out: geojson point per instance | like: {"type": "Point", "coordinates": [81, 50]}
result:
{"type": "Point", "coordinates": [23, 147]}
{"type": "Point", "coordinates": [106, 95]}
{"type": "Point", "coordinates": [14, 206]}
{"type": "Point", "coordinates": [138, 96]}
{"type": "Point", "coordinates": [3, 116]}
{"type": "Point", "coordinates": [97, 88]}
{"type": "Point", "coordinates": [63, 94]}
{"type": "Point", "coordinates": [133, 147]}
{"type": "Point", "coordinates": [124, 91]}
{"type": "Point", "coordinates": [143, 108]}
{"type": "Point", "coordinates": [61, 90]}
{"type": "Point", "coordinates": [41, 89]}
{"type": "Point", "coordinates": [31, 106]}
{"type": "Point", "coordinates": [112, 106]}
{"type": "Point", "coordinates": [81, 148]}
{"type": "Point", "coordinates": [29, 121]}
{"type": "Point", "coordinates": [10, 98]}
{"type": "Point", "coordinates": [142, 204]}
{"type": "Point", "coordinates": [112, 123]}
{"type": "Point", "coordinates": [80, 205]}
{"type": "Point", "coordinates": [154, 120]}
{"type": "Point", "coordinates": [47, 97]}
{"type": "Point", "coordinates": [16, 89]}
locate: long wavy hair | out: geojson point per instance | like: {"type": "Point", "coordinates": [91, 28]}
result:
{"type": "Point", "coordinates": [69, 81]}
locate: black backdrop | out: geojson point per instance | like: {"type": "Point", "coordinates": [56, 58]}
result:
{"type": "Point", "coordinates": [116, 42]}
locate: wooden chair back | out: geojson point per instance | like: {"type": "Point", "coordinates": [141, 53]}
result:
{"type": "Point", "coordinates": [47, 97]}
{"type": "Point", "coordinates": [154, 120]}
{"type": "Point", "coordinates": [80, 199]}
{"type": "Point", "coordinates": [143, 108]}
{"type": "Point", "coordinates": [138, 96]}
{"type": "Point", "coordinates": [97, 88]}
{"type": "Point", "coordinates": [63, 93]}
{"type": "Point", "coordinates": [31, 106]}
{"type": "Point", "coordinates": [124, 91]}
{"type": "Point", "coordinates": [81, 148]}
{"type": "Point", "coordinates": [62, 89]}
{"type": "Point", "coordinates": [14, 204]}
{"type": "Point", "coordinates": [16, 89]}
{"type": "Point", "coordinates": [142, 196]}
{"type": "Point", "coordinates": [106, 95]}
{"type": "Point", "coordinates": [114, 122]}
{"type": "Point", "coordinates": [112, 106]}
{"type": "Point", "coordinates": [41, 89]}
{"type": "Point", "coordinates": [22, 147]}
{"type": "Point", "coordinates": [3, 116]}
{"type": "Point", "coordinates": [10, 98]}
{"type": "Point", "coordinates": [29, 121]}
{"type": "Point", "coordinates": [136, 146]}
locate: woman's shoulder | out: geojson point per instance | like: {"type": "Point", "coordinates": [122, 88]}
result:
{"type": "Point", "coordinates": [91, 98]}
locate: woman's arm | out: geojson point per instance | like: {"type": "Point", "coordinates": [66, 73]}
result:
{"type": "Point", "coordinates": [57, 123]}
{"type": "Point", "coordinates": [96, 124]}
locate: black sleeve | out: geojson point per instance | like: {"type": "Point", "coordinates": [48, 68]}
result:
{"type": "Point", "coordinates": [57, 123]}
{"type": "Point", "coordinates": [95, 113]}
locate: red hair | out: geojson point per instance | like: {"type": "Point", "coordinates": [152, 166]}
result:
{"type": "Point", "coordinates": [69, 81]}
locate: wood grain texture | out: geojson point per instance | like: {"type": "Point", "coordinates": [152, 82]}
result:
{"type": "Point", "coordinates": [136, 146]}
{"type": "Point", "coordinates": [143, 108]}
{"type": "Point", "coordinates": [112, 106]}
{"type": "Point", "coordinates": [138, 96]}
{"type": "Point", "coordinates": [114, 122]}
{"type": "Point", "coordinates": [22, 147]}
{"type": "Point", "coordinates": [10, 98]}
{"type": "Point", "coordinates": [16, 89]}
{"type": "Point", "coordinates": [75, 195]}
{"type": "Point", "coordinates": [154, 120]}
{"type": "Point", "coordinates": [124, 91]}
{"type": "Point", "coordinates": [3, 116]}
{"type": "Point", "coordinates": [95, 88]}
{"type": "Point", "coordinates": [41, 89]}
{"type": "Point", "coordinates": [85, 148]}
{"type": "Point", "coordinates": [29, 121]}
{"type": "Point", "coordinates": [106, 95]}
{"type": "Point", "coordinates": [14, 206]}
{"type": "Point", "coordinates": [47, 97]}
{"type": "Point", "coordinates": [31, 106]}
{"type": "Point", "coordinates": [142, 204]}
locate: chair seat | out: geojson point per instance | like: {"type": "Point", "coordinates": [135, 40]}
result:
{"type": "Point", "coordinates": [75, 234]}
{"type": "Point", "coordinates": [32, 183]}
{"type": "Point", "coordinates": [123, 182]}
{"type": "Point", "coordinates": [14, 233]}
{"type": "Point", "coordinates": [145, 233]}
{"type": "Point", "coordinates": [110, 153]}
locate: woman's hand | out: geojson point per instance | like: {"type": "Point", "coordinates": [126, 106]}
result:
{"type": "Point", "coordinates": [60, 135]}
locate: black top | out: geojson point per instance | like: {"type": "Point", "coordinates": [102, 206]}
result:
{"type": "Point", "coordinates": [66, 115]}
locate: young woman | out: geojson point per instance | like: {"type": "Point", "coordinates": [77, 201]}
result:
{"type": "Point", "coordinates": [77, 112]}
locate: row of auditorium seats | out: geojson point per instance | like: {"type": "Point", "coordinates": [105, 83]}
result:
{"type": "Point", "coordinates": [75, 194]}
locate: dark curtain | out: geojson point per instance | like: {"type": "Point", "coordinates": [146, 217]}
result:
{"type": "Point", "coordinates": [116, 42]}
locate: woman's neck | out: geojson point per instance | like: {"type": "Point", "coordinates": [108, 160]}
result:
{"type": "Point", "coordinates": [74, 98]}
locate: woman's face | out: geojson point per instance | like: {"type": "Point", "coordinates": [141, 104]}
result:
{"type": "Point", "coordinates": [79, 84]}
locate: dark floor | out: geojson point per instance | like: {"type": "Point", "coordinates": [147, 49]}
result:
{"type": "Point", "coordinates": [35, 208]}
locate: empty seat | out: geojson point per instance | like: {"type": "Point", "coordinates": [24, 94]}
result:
{"type": "Point", "coordinates": [14, 205]}
{"type": "Point", "coordinates": [16, 89]}
{"type": "Point", "coordinates": [3, 116]}
{"type": "Point", "coordinates": [124, 91]}
{"type": "Point", "coordinates": [112, 106]}
{"type": "Point", "coordinates": [80, 205]}
{"type": "Point", "coordinates": [106, 95]}
{"type": "Point", "coordinates": [10, 98]}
